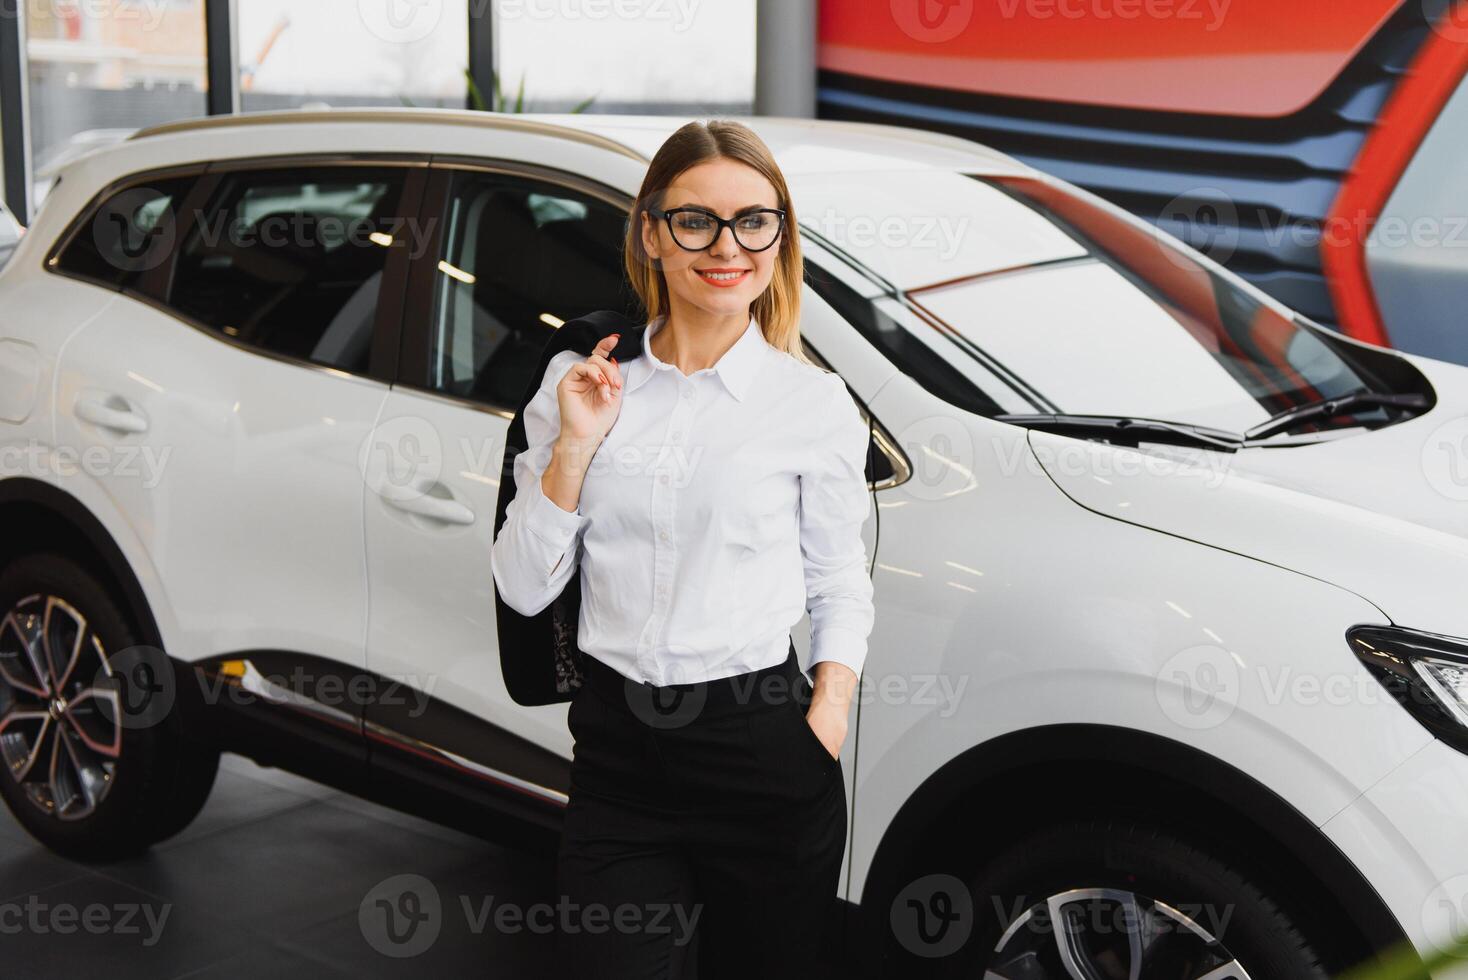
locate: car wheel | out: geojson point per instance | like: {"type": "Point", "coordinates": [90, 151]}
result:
{"type": "Point", "coordinates": [1122, 899]}
{"type": "Point", "coordinates": [97, 762]}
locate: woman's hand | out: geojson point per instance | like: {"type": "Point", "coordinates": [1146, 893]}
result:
{"type": "Point", "coordinates": [830, 703]}
{"type": "Point", "coordinates": [590, 395]}
{"type": "Point", "coordinates": [828, 720]}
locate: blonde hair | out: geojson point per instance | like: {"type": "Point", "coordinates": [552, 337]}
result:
{"type": "Point", "coordinates": [777, 310]}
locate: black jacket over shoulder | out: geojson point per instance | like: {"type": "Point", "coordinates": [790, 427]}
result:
{"type": "Point", "coordinates": [538, 654]}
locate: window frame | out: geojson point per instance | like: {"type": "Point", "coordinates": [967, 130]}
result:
{"type": "Point", "coordinates": [382, 363]}
{"type": "Point", "coordinates": [416, 329]}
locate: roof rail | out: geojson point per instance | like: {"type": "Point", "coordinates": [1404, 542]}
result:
{"type": "Point", "coordinates": [450, 117]}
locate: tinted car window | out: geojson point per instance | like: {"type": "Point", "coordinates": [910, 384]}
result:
{"type": "Point", "coordinates": [291, 261]}
{"type": "Point", "coordinates": [520, 257]}
{"type": "Point", "coordinates": [126, 235]}
{"type": "Point", "coordinates": [1094, 316]}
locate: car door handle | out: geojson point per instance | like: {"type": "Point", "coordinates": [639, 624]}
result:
{"type": "Point", "coordinates": [443, 510]}
{"type": "Point", "coordinates": [110, 416]}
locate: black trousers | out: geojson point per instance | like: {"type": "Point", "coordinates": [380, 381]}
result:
{"type": "Point", "coordinates": [704, 833]}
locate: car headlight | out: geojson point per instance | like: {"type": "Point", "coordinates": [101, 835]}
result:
{"type": "Point", "coordinates": [1425, 672]}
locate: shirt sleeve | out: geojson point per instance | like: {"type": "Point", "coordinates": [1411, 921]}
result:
{"type": "Point", "coordinates": [834, 504]}
{"type": "Point", "coordinates": [537, 549]}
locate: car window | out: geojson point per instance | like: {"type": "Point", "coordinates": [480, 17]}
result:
{"type": "Point", "coordinates": [291, 261]}
{"type": "Point", "coordinates": [519, 258]}
{"type": "Point", "coordinates": [127, 234]}
{"type": "Point", "coordinates": [1117, 322]}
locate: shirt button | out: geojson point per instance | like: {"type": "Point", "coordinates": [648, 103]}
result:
{"type": "Point", "coordinates": [662, 478]}
{"type": "Point", "coordinates": [687, 393]}
{"type": "Point", "coordinates": [663, 535]}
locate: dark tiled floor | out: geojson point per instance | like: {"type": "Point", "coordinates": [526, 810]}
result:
{"type": "Point", "coordinates": [269, 880]}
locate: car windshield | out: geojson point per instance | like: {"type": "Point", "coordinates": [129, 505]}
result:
{"type": "Point", "coordinates": [1044, 302]}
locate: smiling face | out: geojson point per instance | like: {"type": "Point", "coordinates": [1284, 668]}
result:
{"type": "Point", "coordinates": [725, 278]}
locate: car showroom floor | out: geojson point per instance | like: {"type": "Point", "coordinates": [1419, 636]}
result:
{"type": "Point", "coordinates": [267, 881]}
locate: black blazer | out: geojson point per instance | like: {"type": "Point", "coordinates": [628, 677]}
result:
{"type": "Point", "coordinates": [539, 657]}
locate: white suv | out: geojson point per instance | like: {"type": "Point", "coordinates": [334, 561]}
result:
{"type": "Point", "coordinates": [1167, 678]}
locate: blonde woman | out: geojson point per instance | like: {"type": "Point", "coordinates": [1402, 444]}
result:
{"type": "Point", "coordinates": [709, 492]}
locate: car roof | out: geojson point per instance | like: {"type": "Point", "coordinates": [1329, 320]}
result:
{"type": "Point", "coordinates": [801, 146]}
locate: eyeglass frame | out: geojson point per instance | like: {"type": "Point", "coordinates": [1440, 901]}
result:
{"type": "Point", "coordinates": [722, 224]}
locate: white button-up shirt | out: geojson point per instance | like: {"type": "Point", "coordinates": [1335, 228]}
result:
{"type": "Point", "coordinates": [720, 507]}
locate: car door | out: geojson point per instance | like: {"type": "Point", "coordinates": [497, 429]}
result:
{"type": "Point", "coordinates": [517, 250]}
{"type": "Point", "coordinates": [224, 399]}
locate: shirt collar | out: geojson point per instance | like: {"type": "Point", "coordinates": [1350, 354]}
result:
{"type": "Point", "coordinates": [736, 369]}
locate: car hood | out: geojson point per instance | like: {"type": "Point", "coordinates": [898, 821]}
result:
{"type": "Point", "coordinates": [1383, 514]}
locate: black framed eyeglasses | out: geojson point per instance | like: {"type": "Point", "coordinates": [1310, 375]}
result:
{"type": "Point", "coordinates": [695, 229]}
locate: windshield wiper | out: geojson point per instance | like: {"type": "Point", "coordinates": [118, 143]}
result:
{"type": "Point", "coordinates": [1329, 408]}
{"type": "Point", "coordinates": [1128, 431]}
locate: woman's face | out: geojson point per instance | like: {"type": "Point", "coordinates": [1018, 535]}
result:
{"type": "Point", "coordinates": [722, 186]}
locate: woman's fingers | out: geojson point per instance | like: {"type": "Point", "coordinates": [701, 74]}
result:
{"type": "Point", "coordinates": [590, 376]}
{"type": "Point", "coordinates": [600, 358]}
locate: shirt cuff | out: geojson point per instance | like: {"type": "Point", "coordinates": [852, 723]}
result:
{"type": "Point", "coordinates": [842, 645]}
{"type": "Point", "coordinates": [551, 523]}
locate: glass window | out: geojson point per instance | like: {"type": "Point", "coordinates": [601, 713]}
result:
{"type": "Point", "coordinates": [129, 234]}
{"type": "Point", "coordinates": [100, 68]}
{"type": "Point", "coordinates": [351, 52]}
{"type": "Point", "coordinates": [700, 56]}
{"type": "Point", "coordinates": [1089, 313]}
{"type": "Point", "coordinates": [291, 261]}
{"type": "Point", "coordinates": [520, 258]}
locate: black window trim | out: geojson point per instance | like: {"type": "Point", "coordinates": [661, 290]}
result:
{"type": "Point", "coordinates": [382, 366]}
{"type": "Point", "coordinates": [415, 331]}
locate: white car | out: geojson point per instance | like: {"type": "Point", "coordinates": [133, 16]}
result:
{"type": "Point", "coordinates": [1169, 676]}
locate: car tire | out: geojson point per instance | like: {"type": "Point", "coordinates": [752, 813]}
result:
{"type": "Point", "coordinates": [103, 767]}
{"type": "Point", "coordinates": [1095, 877]}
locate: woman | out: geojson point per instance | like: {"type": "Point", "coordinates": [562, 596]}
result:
{"type": "Point", "coordinates": [709, 493]}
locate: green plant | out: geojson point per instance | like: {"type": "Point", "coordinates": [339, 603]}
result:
{"type": "Point", "coordinates": [1404, 964]}
{"type": "Point", "coordinates": [476, 97]}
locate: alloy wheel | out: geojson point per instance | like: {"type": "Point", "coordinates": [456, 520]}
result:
{"type": "Point", "coordinates": [60, 715]}
{"type": "Point", "coordinates": [1109, 934]}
